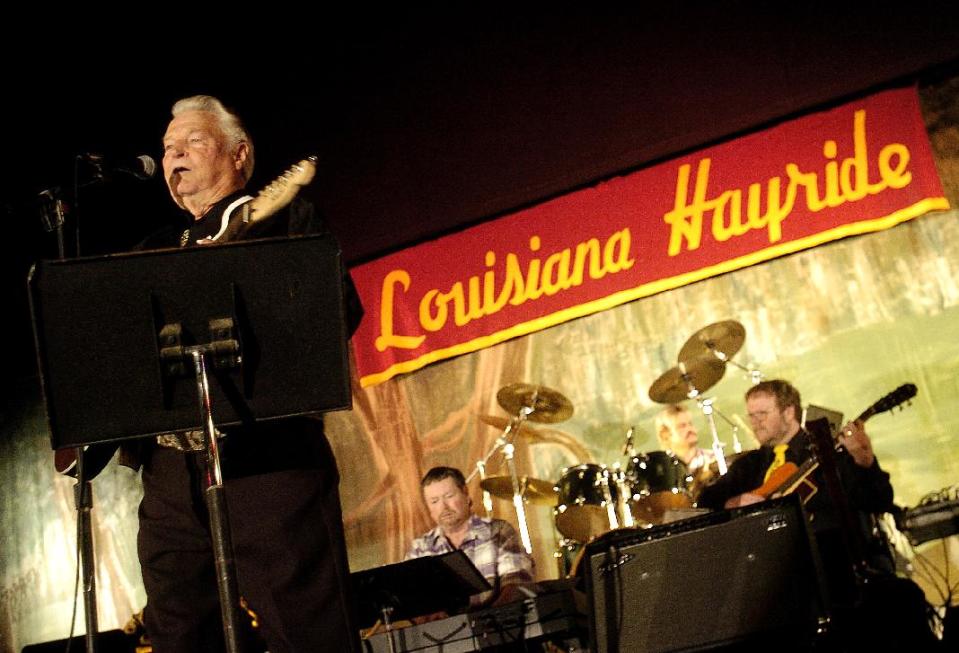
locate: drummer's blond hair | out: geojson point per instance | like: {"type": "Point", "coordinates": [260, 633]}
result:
{"type": "Point", "coordinates": [665, 420]}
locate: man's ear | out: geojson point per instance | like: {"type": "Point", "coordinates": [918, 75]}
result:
{"type": "Point", "coordinates": [792, 409]}
{"type": "Point", "coordinates": [239, 157]}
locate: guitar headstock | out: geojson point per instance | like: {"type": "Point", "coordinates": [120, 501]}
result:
{"type": "Point", "coordinates": [897, 397]}
{"type": "Point", "coordinates": [282, 190]}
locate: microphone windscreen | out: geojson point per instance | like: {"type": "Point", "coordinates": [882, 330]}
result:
{"type": "Point", "coordinates": [149, 166]}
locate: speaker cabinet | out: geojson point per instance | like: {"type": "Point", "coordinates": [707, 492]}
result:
{"type": "Point", "coordinates": [725, 578]}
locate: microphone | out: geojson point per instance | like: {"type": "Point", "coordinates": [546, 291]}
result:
{"type": "Point", "coordinates": [142, 167]}
{"type": "Point", "coordinates": [52, 209]}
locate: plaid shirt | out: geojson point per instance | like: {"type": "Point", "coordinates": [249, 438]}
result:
{"type": "Point", "coordinates": [493, 545]}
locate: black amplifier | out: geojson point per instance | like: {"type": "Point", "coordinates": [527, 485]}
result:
{"type": "Point", "coordinates": [732, 576]}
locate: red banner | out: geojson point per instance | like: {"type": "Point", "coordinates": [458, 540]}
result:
{"type": "Point", "coordinates": [862, 167]}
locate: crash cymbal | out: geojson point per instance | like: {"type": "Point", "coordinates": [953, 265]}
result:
{"type": "Point", "coordinates": [501, 423]}
{"type": "Point", "coordinates": [724, 338]}
{"type": "Point", "coordinates": [549, 406]}
{"type": "Point", "coordinates": [533, 490]}
{"type": "Point", "coordinates": [673, 386]}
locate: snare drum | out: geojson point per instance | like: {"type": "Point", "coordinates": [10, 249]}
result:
{"type": "Point", "coordinates": [587, 502]}
{"type": "Point", "coordinates": [659, 482]}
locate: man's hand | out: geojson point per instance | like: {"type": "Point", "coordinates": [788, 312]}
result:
{"type": "Point", "coordinates": [745, 499]}
{"type": "Point", "coordinates": [426, 618]}
{"type": "Point", "coordinates": [853, 437]}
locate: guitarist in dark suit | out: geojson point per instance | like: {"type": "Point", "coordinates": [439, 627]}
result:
{"type": "Point", "coordinates": [280, 477]}
{"type": "Point", "coordinates": [852, 562]}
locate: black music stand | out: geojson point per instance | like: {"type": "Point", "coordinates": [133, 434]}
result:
{"type": "Point", "coordinates": [97, 323]}
{"type": "Point", "coordinates": [416, 587]}
{"type": "Point", "coordinates": [125, 344]}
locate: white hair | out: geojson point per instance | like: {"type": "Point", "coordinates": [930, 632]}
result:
{"type": "Point", "coordinates": [230, 124]}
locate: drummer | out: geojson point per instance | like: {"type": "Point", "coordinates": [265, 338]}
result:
{"type": "Point", "coordinates": [677, 435]}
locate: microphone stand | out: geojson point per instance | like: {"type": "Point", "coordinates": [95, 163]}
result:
{"type": "Point", "coordinates": [83, 497]}
{"type": "Point", "coordinates": [53, 217]}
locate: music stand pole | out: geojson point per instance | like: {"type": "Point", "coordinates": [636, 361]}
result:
{"type": "Point", "coordinates": [387, 611]}
{"type": "Point", "coordinates": [83, 496]}
{"type": "Point", "coordinates": [216, 506]}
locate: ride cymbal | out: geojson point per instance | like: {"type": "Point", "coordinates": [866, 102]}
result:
{"type": "Point", "coordinates": [721, 339]}
{"type": "Point", "coordinates": [533, 490]}
{"type": "Point", "coordinates": [548, 405]}
{"type": "Point", "coordinates": [674, 385]}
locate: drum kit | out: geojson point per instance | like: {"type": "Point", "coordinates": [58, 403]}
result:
{"type": "Point", "coordinates": [591, 499]}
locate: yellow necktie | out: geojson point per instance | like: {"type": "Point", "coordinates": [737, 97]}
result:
{"type": "Point", "coordinates": [780, 451]}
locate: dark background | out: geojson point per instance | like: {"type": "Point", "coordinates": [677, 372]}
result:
{"type": "Point", "coordinates": [427, 122]}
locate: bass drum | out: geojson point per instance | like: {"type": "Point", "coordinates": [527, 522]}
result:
{"type": "Point", "coordinates": [584, 493]}
{"type": "Point", "coordinates": [659, 482]}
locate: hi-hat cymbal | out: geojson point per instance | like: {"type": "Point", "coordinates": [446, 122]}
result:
{"type": "Point", "coordinates": [501, 423]}
{"type": "Point", "coordinates": [548, 405]}
{"type": "Point", "coordinates": [724, 338]}
{"type": "Point", "coordinates": [673, 386]}
{"type": "Point", "coordinates": [533, 490]}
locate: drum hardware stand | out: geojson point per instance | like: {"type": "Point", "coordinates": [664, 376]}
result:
{"type": "Point", "coordinates": [706, 405]}
{"type": "Point", "coordinates": [619, 477]}
{"type": "Point", "coordinates": [628, 449]}
{"type": "Point", "coordinates": [737, 445]}
{"type": "Point", "coordinates": [754, 375]}
{"type": "Point", "coordinates": [611, 505]}
{"type": "Point", "coordinates": [518, 499]}
{"type": "Point", "coordinates": [504, 442]}
{"type": "Point", "coordinates": [487, 497]}
{"type": "Point", "coordinates": [623, 492]}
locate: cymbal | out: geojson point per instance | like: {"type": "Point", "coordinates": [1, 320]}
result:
{"type": "Point", "coordinates": [501, 423]}
{"type": "Point", "coordinates": [723, 337]}
{"type": "Point", "coordinates": [672, 386]}
{"type": "Point", "coordinates": [533, 490]}
{"type": "Point", "coordinates": [549, 406]}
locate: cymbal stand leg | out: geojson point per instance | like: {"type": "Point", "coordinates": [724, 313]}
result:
{"type": "Point", "coordinates": [505, 438]}
{"type": "Point", "coordinates": [487, 497]}
{"type": "Point", "coordinates": [737, 445]}
{"type": "Point", "coordinates": [755, 376]}
{"type": "Point", "coordinates": [608, 498]}
{"type": "Point", "coordinates": [707, 407]}
{"type": "Point", "coordinates": [624, 495]}
{"type": "Point", "coordinates": [518, 499]}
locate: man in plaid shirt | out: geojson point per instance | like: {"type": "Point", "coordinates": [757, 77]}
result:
{"type": "Point", "coordinates": [492, 544]}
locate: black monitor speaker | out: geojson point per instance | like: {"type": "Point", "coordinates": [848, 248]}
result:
{"type": "Point", "coordinates": [720, 581]}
